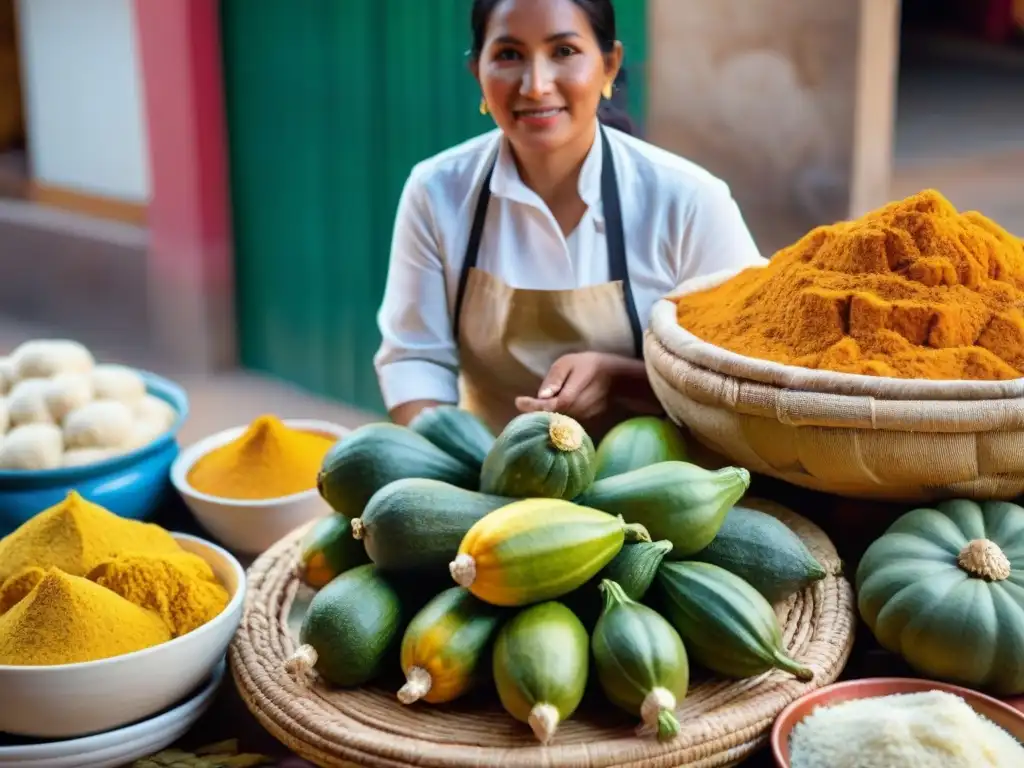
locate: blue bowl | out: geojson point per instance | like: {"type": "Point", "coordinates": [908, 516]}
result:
{"type": "Point", "coordinates": [132, 485]}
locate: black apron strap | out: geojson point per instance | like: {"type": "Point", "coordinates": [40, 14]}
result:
{"type": "Point", "coordinates": [616, 238]}
{"type": "Point", "coordinates": [614, 233]}
{"type": "Point", "coordinates": [476, 234]}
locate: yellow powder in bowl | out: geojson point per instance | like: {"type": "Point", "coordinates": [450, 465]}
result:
{"type": "Point", "coordinates": [68, 620]}
{"type": "Point", "coordinates": [76, 536]}
{"type": "Point", "coordinates": [269, 460]}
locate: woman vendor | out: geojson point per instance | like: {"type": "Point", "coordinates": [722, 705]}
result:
{"type": "Point", "coordinates": [525, 261]}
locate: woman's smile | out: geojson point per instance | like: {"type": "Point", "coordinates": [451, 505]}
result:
{"type": "Point", "coordinates": [539, 117]}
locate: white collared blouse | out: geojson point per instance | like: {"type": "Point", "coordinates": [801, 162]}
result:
{"type": "Point", "coordinates": [679, 222]}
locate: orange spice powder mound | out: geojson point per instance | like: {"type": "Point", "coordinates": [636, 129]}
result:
{"type": "Point", "coordinates": [915, 289]}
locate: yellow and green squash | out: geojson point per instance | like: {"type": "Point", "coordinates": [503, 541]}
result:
{"type": "Point", "coordinates": [445, 646]}
{"type": "Point", "coordinates": [538, 549]}
{"type": "Point", "coordinates": [328, 550]}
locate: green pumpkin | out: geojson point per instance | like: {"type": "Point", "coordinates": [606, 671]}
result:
{"type": "Point", "coordinates": [944, 588]}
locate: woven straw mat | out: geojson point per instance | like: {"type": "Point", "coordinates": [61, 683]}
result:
{"type": "Point", "coordinates": [723, 722]}
{"type": "Point", "coordinates": [859, 436]}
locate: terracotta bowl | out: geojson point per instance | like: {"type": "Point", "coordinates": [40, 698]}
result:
{"type": "Point", "coordinates": [1003, 715]}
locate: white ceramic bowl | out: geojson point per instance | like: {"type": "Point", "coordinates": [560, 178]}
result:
{"type": "Point", "coordinates": [117, 748]}
{"type": "Point", "coordinates": [247, 526]}
{"type": "Point", "coordinates": [73, 700]}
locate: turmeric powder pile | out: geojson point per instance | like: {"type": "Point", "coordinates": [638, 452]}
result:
{"type": "Point", "coordinates": [915, 289]}
{"type": "Point", "coordinates": [269, 460]}
{"type": "Point", "coordinates": [78, 583]}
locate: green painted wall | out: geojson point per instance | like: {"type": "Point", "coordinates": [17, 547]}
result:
{"type": "Point", "coordinates": [329, 105]}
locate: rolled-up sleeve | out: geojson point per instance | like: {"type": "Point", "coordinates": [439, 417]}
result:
{"type": "Point", "coordinates": [417, 359]}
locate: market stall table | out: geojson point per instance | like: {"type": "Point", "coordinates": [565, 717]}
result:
{"type": "Point", "coordinates": [851, 524]}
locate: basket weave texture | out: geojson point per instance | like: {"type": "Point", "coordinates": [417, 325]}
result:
{"type": "Point", "coordinates": [722, 721]}
{"type": "Point", "coordinates": [859, 436]}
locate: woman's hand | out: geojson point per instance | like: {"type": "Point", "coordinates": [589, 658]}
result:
{"type": "Point", "coordinates": [578, 385]}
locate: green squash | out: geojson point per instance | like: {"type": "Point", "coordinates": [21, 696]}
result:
{"type": "Point", "coordinates": [637, 443]}
{"type": "Point", "coordinates": [634, 569]}
{"type": "Point", "coordinates": [417, 525]}
{"type": "Point", "coordinates": [539, 455]}
{"type": "Point", "coordinates": [540, 665]}
{"type": "Point", "coordinates": [673, 500]}
{"type": "Point", "coordinates": [944, 588]}
{"type": "Point", "coordinates": [455, 431]}
{"type": "Point", "coordinates": [727, 625]}
{"type": "Point", "coordinates": [641, 662]}
{"type": "Point", "coordinates": [351, 628]}
{"type": "Point", "coordinates": [764, 552]}
{"type": "Point", "coordinates": [373, 455]}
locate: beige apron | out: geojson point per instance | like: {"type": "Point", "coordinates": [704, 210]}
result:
{"type": "Point", "coordinates": [509, 337]}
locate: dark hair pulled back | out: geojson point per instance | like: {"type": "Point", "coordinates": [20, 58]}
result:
{"type": "Point", "coordinates": [601, 15]}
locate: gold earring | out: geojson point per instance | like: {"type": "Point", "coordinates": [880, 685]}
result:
{"type": "Point", "coordinates": [607, 92]}
{"type": "Point", "coordinates": [483, 107]}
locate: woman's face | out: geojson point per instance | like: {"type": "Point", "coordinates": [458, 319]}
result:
{"type": "Point", "coordinates": [542, 71]}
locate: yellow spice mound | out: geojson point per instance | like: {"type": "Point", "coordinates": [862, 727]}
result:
{"type": "Point", "coordinates": [18, 586]}
{"type": "Point", "coordinates": [912, 290]}
{"type": "Point", "coordinates": [181, 588]}
{"type": "Point", "coordinates": [267, 461]}
{"type": "Point", "coordinates": [76, 536]}
{"type": "Point", "coordinates": [66, 619]}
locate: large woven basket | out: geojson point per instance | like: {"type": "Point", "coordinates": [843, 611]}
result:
{"type": "Point", "coordinates": [860, 436]}
{"type": "Point", "coordinates": [723, 722]}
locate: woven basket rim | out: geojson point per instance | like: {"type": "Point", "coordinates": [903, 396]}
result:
{"type": "Point", "coordinates": [803, 408]}
{"type": "Point", "coordinates": [684, 344]}
{"type": "Point", "coordinates": [345, 728]}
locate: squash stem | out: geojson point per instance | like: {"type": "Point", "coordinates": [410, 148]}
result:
{"type": "Point", "coordinates": [544, 719]}
{"type": "Point", "coordinates": [658, 711]}
{"type": "Point", "coordinates": [417, 685]}
{"type": "Point", "coordinates": [566, 433]}
{"type": "Point", "coordinates": [613, 594]}
{"type": "Point", "coordinates": [302, 661]}
{"type": "Point", "coordinates": [357, 528]}
{"type": "Point", "coordinates": [668, 725]}
{"type": "Point", "coordinates": [798, 670]}
{"type": "Point", "coordinates": [635, 532]}
{"type": "Point", "coordinates": [463, 570]}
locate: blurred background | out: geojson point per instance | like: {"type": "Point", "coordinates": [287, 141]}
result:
{"type": "Point", "coordinates": [206, 187]}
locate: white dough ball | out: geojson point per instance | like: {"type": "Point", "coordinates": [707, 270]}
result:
{"type": "Point", "coordinates": [45, 358]}
{"type": "Point", "coordinates": [8, 375]}
{"type": "Point", "coordinates": [65, 392]}
{"type": "Point", "coordinates": [155, 410]}
{"type": "Point", "coordinates": [32, 446]}
{"type": "Point", "coordinates": [99, 424]}
{"type": "Point", "coordinates": [80, 457]}
{"type": "Point", "coordinates": [26, 404]}
{"type": "Point", "coordinates": [4, 418]}
{"type": "Point", "coordinates": [118, 382]}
